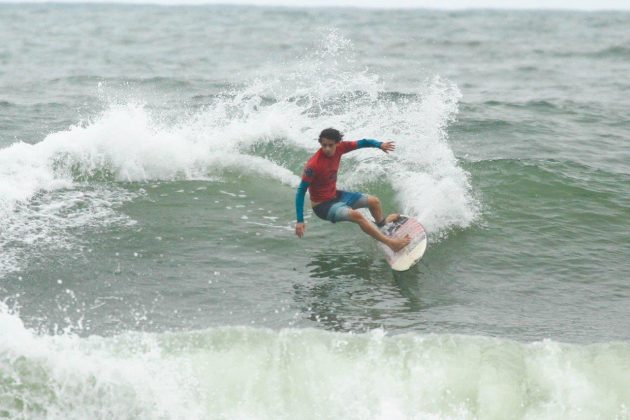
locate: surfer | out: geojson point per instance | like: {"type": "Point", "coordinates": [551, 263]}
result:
{"type": "Point", "coordinates": [328, 203]}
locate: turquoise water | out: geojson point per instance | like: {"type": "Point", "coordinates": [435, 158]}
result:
{"type": "Point", "coordinates": [148, 163]}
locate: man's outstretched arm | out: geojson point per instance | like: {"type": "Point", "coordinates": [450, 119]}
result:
{"type": "Point", "coordinates": [299, 208]}
{"type": "Point", "coordinates": [388, 146]}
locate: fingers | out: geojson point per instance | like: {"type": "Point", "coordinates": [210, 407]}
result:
{"type": "Point", "coordinates": [389, 146]}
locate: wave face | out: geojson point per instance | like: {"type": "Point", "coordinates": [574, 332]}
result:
{"type": "Point", "coordinates": [268, 129]}
{"type": "Point", "coordinates": [240, 372]}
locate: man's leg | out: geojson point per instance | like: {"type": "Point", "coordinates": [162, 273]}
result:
{"type": "Point", "coordinates": [374, 204]}
{"type": "Point", "coordinates": [369, 228]}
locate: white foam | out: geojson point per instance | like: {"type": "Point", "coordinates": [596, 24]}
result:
{"type": "Point", "coordinates": [239, 372]}
{"type": "Point", "coordinates": [423, 171]}
{"type": "Point", "coordinates": [65, 377]}
{"type": "Point", "coordinates": [126, 144]}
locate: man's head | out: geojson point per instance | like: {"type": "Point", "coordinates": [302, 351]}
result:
{"type": "Point", "coordinates": [329, 138]}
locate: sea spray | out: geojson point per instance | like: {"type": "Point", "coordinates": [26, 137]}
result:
{"type": "Point", "coordinates": [127, 142]}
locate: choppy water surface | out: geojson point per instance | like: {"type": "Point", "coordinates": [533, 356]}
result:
{"type": "Point", "coordinates": [148, 266]}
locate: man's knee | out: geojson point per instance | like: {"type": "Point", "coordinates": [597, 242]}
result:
{"type": "Point", "coordinates": [356, 216]}
{"type": "Point", "coordinates": [373, 201]}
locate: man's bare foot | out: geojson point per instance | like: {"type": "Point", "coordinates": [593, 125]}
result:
{"type": "Point", "coordinates": [398, 244]}
{"type": "Point", "coordinates": [392, 218]}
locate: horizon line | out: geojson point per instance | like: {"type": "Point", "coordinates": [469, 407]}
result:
{"type": "Point", "coordinates": [280, 4]}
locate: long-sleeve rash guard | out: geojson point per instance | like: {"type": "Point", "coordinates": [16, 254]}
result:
{"type": "Point", "coordinates": [320, 174]}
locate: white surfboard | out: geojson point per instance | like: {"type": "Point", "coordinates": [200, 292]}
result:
{"type": "Point", "coordinates": [412, 253]}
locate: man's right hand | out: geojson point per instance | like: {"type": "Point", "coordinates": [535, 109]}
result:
{"type": "Point", "coordinates": [299, 229]}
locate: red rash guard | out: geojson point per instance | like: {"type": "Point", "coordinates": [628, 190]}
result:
{"type": "Point", "coordinates": [321, 172]}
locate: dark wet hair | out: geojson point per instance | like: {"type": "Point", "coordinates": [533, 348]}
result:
{"type": "Point", "coordinates": [332, 134]}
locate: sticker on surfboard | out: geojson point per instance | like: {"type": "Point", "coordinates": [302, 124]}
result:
{"type": "Point", "coordinates": [408, 256]}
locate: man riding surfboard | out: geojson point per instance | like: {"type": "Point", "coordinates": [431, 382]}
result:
{"type": "Point", "coordinates": [328, 203]}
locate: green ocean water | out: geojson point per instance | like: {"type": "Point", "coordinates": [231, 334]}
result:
{"type": "Point", "coordinates": [148, 162]}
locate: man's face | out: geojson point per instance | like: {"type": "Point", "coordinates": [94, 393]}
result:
{"type": "Point", "coordinates": [328, 146]}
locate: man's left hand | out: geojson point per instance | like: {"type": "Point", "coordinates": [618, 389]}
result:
{"type": "Point", "coordinates": [388, 146]}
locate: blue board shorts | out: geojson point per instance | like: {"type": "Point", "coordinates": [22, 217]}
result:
{"type": "Point", "coordinates": [338, 209]}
